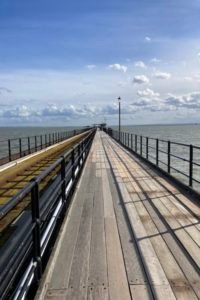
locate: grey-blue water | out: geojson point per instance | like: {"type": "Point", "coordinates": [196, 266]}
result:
{"type": "Point", "coordinates": [189, 134]}
{"type": "Point", "coordinates": [186, 134]}
{"type": "Point", "coordinates": [24, 132]}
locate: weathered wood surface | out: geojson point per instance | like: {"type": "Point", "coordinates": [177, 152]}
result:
{"type": "Point", "coordinates": [130, 234]}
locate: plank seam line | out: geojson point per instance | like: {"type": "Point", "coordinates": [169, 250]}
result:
{"type": "Point", "coordinates": [44, 284]}
{"type": "Point", "coordinates": [165, 222]}
{"type": "Point", "coordinates": [127, 218]}
{"type": "Point", "coordinates": [157, 172]}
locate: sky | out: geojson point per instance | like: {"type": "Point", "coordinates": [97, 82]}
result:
{"type": "Point", "coordinates": [66, 62]}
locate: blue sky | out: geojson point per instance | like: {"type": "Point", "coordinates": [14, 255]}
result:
{"type": "Point", "coordinates": [66, 63]}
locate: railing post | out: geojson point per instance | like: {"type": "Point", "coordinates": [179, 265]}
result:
{"type": "Point", "coordinates": [191, 166]}
{"type": "Point", "coordinates": [29, 146]}
{"type": "Point", "coordinates": [41, 146]}
{"type": "Point", "coordinates": [79, 155]}
{"type": "Point", "coordinates": [168, 156]}
{"type": "Point", "coordinates": [82, 151]}
{"type": "Point", "coordinates": [63, 179]}
{"type": "Point", "coordinates": [45, 140]}
{"type": "Point", "coordinates": [9, 150]}
{"type": "Point", "coordinates": [136, 143]}
{"type": "Point", "coordinates": [131, 141]}
{"type": "Point", "coordinates": [73, 162]}
{"type": "Point", "coordinates": [157, 151]}
{"type": "Point", "coordinates": [20, 147]}
{"type": "Point", "coordinates": [36, 229]}
{"type": "Point", "coordinates": [35, 143]}
{"type": "Point", "coordinates": [147, 148]}
{"type": "Point", "coordinates": [141, 145]}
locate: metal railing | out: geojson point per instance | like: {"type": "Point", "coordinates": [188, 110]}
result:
{"type": "Point", "coordinates": [179, 160]}
{"type": "Point", "coordinates": [22, 263]}
{"type": "Point", "coordinates": [15, 148]}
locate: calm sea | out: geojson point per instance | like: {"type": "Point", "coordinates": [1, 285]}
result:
{"type": "Point", "coordinates": [23, 132]}
{"type": "Point", "coordinates": [188, 134]}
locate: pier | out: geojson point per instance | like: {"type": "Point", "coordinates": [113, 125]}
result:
{"type": "Point", "coordinates": [129, 233]}
{"type": "Point", "coordinates": [88, 218]}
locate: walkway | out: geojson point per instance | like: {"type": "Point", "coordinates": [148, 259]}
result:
{"type": "Point", "coordinates": [129, 234]}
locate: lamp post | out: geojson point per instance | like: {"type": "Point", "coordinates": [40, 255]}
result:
{"type": "Point", "coordinates": [119, 102]}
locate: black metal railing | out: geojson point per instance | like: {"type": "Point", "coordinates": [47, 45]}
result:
{"type": "Point", "coordinates": [15, 148]}
{"type": "Point", "coordinates": [21, 261]}
{"type": "Point", "coordinates": [180, 160]}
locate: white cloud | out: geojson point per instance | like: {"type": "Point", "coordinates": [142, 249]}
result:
{"type": "Point", "coordinates": [140, 79]}
{"type": "Point", "coordinates": [155, 60]}
{"type": "Point", "coordinates": [5, 90]}
{"type": "Point", "coordinates": [189, 101]}
{"type": "Point", "coordinates": [162, 75]}
{"type": "Point", "coordinates": [140, 64]}
{"type": "Point", "coordinates": [148, 93]}
{"type": "Point", "coordinates": [118, 67]}
{"type": "Point", "coordinates": [188, 78]}
{"type": "Point", "coordinates": [91, 67]}
{"type": "Point", "coordinates": [148, 39]}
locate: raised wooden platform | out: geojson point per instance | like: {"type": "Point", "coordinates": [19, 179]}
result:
{"type": "Point", "coordinates": [129, 234]}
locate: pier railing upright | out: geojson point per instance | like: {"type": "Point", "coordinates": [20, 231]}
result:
{"type": "Point", "coordinates": [15, 148]}
{"type": "Point", "coordinates": [179, 160]}
{"type": "Point", "coordinates": [22, 268]}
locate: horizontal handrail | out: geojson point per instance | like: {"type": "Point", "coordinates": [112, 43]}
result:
{"type": "Point", "coordinates": [165, 153]}
{"type": "Point", "coordinates": [46, 207]}
{"type": "Point", "coordinates": [14, 148]}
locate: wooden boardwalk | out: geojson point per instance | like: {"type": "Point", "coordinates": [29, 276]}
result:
{"type": "Point", "coordinates": [129, 234]}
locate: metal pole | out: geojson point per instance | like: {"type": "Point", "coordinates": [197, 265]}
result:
{"type": "Point", "coordinates": [35, 143]}
{"type": "Point", "coordinates": [191, 166]}
{"type": "Point", "coordinates": [131, 141]}
{"type": "Point", "coordinates": [36, 229]}
{"type": "Point", "coordinates": [63, 179]}
{"type": "Point", "coordinates": [169, 156]}
{"type": "Point", "coordinates": [29, 146]}
{"type": "Point", "coordinates": [20, 147]}
{"type": "Point", "coordinates": [136, 143]}
{"type": "Point", "coordinates": [157, 151]}
{"type": "Point", "coordinates": [9, 150]}
{"type": "Point", "coordinates": [119, 101]}
{"type": "Point", "coordinates": [147, 148]}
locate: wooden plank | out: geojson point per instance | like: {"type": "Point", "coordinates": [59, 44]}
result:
{"type": "Point", "coordinates": [78, 280]}
{"type": "Point", "coordinates": [98, 262]}
{"type": "Point", "coordinates": [153, 268]}
{"type": "Point", "coordinates": [134, 269]}
{"type": "Point", "coordinates": [98, 293]}
{"type": "Point", "coordinates": [178, 230]}
{"type": "Point", "coordinates": [189, 271]}
{"type": "Point", "coordinates": [171, 268]}
{"type": "Point", "coordinates": [182, 220]}
{"type": "Point", "coordinates": [180, 256]}
{"type": "Point", "coordinates": [181, 234]}
{"type": "Point", "coordinates": [64, 260]}
{"type": "Point", "coordinates": [118, 285]}
{"type": "Point", "coordinates": [140, 292]}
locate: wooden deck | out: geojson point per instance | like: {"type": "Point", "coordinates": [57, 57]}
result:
{"type": "Point", "coordinates": [129, 234]}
